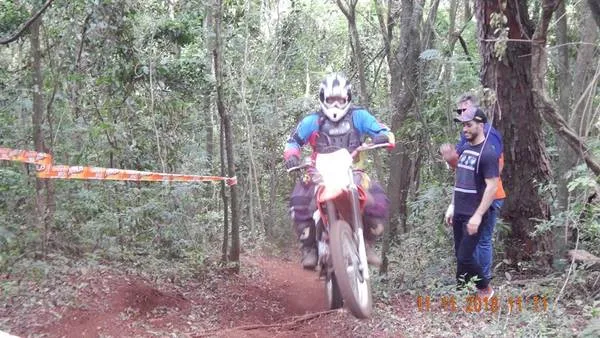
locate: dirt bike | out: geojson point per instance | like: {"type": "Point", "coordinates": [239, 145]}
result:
{"type": "Point", "coordinates": [342, 258]}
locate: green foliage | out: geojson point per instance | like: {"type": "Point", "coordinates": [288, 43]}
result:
{"type": "Point", "coordinates": [15, 203]}
{"type": "Point", "coordinates": [177, 32]}
{"type": "Point", "coordinates": [12, 15]}
{"type": "Point", "coordinates": [431, 239]}
{"type": "Point", "coordinates": [498, 22]}
{"type": "Point", "coordinates": [582, 217]}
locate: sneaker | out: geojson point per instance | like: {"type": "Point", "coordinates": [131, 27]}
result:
{"type": "Point", "coordinates": [309, 257]}
{"type": "Point", "coordinates": [488, 293]}
{"type": "Point", "coordinates": [372, 257]}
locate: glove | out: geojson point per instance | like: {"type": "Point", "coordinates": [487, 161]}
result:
{"type": "Point", "coordinates": [449, 214]}
{"type": "Point", "coordinates": [291, 162]}
{"type": "Point", "coordinates": [381, 138]}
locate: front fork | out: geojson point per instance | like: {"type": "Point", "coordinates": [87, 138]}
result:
{"type": "Point", "coordinates": [358, 231]}
{"type": "Point", "coordinates": [357, 226]}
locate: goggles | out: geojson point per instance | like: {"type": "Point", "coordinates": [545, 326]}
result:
{"type": "Point", "coordinates": [336, 101]}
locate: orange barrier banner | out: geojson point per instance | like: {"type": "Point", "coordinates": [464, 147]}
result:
{"type": "Point", "coordinates": [45, 169]}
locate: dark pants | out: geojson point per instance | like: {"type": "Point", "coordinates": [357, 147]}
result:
{"type": "Point", "coordinates": [464, 247]}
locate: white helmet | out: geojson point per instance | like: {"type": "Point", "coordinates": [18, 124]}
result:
{"type": "Point", "coordinates": [335, 96]}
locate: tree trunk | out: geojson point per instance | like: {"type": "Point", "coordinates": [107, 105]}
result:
{"type": "Point", "coordinates": [386, 27]}
{"type": "Point", "coordinates": [565, 163]}
{"type": "Point", "coordinates": [208, 99]}
{"type": "Point", "coordinates": [225, 245]}
{"type": "Point", "coordinates": [594, 6]}
{"type": "Point", "coordinates": [226, 120]}
{"type": "Point", "coordinates": [564, 96]}
{"type": "Point", "coordinates": [350, 14]}
{"type": "Point", "coordinates": [586, 80]}
{"type": "Point", "coordinates": [428, 36]}
{"type": "Point", "coordinates": [253, 186]}
{"type": "Point", "coordinates": [44, 187]}
{"type": "Point", "coordinates": [404, 82]}
{"type": "Point", "coordinates": [404, 90]}
{"type": "Point", "coordinates": [273, 185]}
{"type": "Point", "coordinates": [210, 131]}
{"type": "Point", "coordinates": [447, 67]}
{"type": "Point", "coordinates": [467, 10]}
{"type": "Point", "coordinates": [519, 122]}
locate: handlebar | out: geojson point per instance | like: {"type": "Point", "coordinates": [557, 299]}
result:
{"type": "Point", "coordinates": [370, 146]}
{"type": "Point", "coordinates": [363, 147]}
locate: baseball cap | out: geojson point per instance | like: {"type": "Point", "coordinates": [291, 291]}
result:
{"type": "Point", "coordinates": [472, 114]}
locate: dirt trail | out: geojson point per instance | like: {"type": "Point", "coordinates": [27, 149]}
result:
{"type": "Point", "coordinates": [299, 290]}
{"type": "Point", "coordinates": [270, 297]}
{"type": "Point", "coordinates": [296, 298]}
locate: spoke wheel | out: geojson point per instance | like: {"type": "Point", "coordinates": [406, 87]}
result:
{"type": "Point", "coordinates": [355, 289]}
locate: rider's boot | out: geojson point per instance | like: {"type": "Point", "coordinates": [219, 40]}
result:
{"type": "Point", "coordinates": [372, 257]}
{"type": "Point", "coordinates": [374, 229]}
{"type": "Point", "coordinates": [309, 249]}
{"type": "Point", "coordinates": [377, 229]}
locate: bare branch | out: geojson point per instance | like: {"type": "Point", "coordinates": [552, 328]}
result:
{"type": "Point", "coordinates": [83, 31]}
{"type": "Point", "coordinates": [383, 25]}
{"type": "Point", "coordinates": [26, 25]}
{"type": "Point", "coordinates": [463, 44]}
{"type": "Point", "coordinates": [429, 24]}
{"type": "Point", "coordinates": [344, 10]}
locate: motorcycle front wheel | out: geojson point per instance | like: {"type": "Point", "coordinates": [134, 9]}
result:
{"type": "Point", "coordinates": [349, 270]}
{"type": "Point", "coordinates": [332, 289]}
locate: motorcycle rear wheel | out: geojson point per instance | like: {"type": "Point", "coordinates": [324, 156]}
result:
{"type": "Point", "coordinates": [355, 289]}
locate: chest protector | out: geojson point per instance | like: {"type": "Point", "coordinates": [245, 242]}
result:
{"type": "Point", "coordinates": [335, 135]}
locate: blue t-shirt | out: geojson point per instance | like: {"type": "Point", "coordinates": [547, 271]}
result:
{"type": "Point", "coordinates": [474, 166]}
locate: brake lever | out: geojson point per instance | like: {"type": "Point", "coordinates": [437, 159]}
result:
{"type": "Point", "coordinates": [307, 163]}
{"type": "Point", "coordinates": [302, 166]}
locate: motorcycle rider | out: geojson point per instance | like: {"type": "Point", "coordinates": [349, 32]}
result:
{"type": "Point", "coordinates": [337, 124]}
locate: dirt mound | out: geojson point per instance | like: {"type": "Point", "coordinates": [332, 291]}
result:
{"type": "Point", "coordinates": [109, 305]}
{"type": "Point", "coordinates": [146, 299]}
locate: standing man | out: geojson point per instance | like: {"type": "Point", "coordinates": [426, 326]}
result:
{"type": "Point", "coordinates": [484, 251]}
{"type": "Point", "coordinates": [475, 188]}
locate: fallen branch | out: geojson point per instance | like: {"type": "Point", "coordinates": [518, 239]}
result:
{"type": "Point", "coordinates": [583, 256]}
{"type": "Point", "coordinates": [293, 322]}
